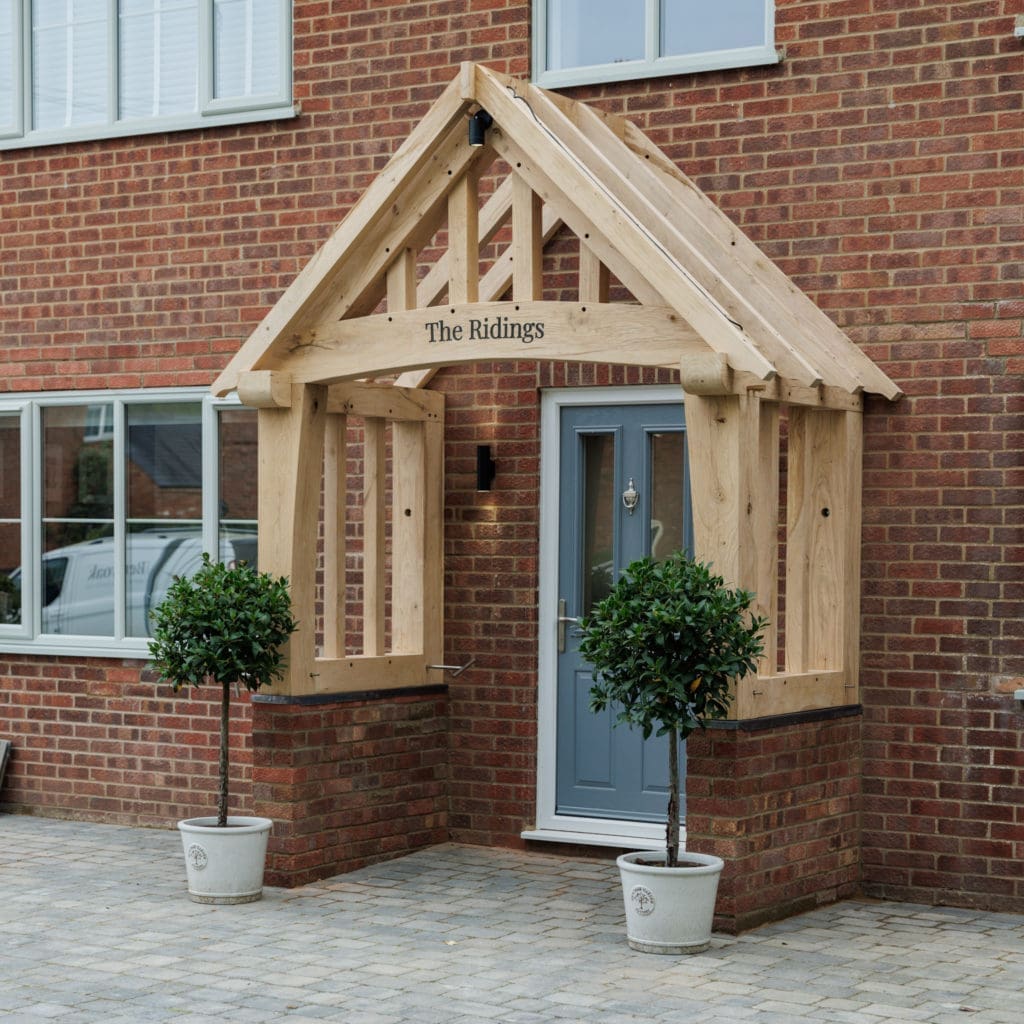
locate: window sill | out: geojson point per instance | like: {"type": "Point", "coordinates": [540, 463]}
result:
{"type": "Point", "coordinates": [127, 129]}
{"type": "Point", "coordinates": [627, 71]}
{"type": "Point", "coordinates": [77, 648]}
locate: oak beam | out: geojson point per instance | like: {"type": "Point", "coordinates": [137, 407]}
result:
{"type": "Point", "coordinates": [335, 495]}
{"type": "Point", "coordinates": [290, 463]}
{"type": "Point", "coordinates": [449, 335]}
{"type": "Point", "coordinates": [374, 536]}
{"type": "Point", "coordinates": [317, 281]}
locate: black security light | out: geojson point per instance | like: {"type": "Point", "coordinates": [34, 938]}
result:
{"type": "Point", "coordinates": [478, 125]}
{"type": "Point", "coordinates": [485, 467]}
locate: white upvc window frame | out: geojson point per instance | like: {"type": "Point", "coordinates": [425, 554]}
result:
{"type": "Point", "coordinates": [25, 637]}
{"type": "Point", "coordinates": [212, 111]}
{"type": "Point", "coordinates": [651, 65]}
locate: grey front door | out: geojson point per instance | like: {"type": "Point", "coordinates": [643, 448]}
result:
{"type": "Point", "coordinates": [623, 494]}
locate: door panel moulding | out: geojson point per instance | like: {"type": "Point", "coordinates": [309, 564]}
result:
{"type": "Point", "coordinates": [751, 349]}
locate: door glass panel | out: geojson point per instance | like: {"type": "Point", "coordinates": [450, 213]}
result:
{"type": "Point", "coordinates": [598, 518]}
{"type": "Point", "coordinates": [668, 461]}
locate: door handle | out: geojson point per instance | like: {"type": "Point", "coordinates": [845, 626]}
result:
{"type": "Point", "coordinates": [562, 620]}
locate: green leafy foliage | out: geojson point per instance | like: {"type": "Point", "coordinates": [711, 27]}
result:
{"type": "Point", "coordinates": [222, 625]}
{"type": "Point", "coordinates": [665, 645]}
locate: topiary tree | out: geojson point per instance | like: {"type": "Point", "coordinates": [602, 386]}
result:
{"type": "Point", "coordinates": [222, 626]}
{"type": "Point", "coordinates": [665, 645]}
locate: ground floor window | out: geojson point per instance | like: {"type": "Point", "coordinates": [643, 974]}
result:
{"type": "Point", "coordinates": [104, 498]}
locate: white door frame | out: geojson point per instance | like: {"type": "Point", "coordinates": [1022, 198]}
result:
{"type": "Point", "coordinates": [550, 825]}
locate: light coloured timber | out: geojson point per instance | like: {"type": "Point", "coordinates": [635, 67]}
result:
{"type": "Point", "coordinates": [715, 444]}
{"type": "Point", "coordinates": [290, 462]}
{"type": "Point", "coordinates": [727, 262]}
{"type": "Point", "coordinates": [401, 281]}
{"type": "Point", "coordinates": [708, 373]}
{"type": "Point", "coordinates": [576, 215]}
{"type": "Point", "coordinates": [433, 543]}
{"type": "Point", "coordinates": [623, 243]}
{"type": "Point", "coordinates": [527, 242]}
{"type": "Point", "coordinates": [463, 243]}
{"type": "Point", "coordinates": [263, 389]}
{"type": "Point", "coordinates": [335, 491]}
{"type": "Point", "coordinates": [374, 536]}
{"type": "Point", "coordinates": [594, 277]}
{"type": "Point", "coordinates": [408, 517]}
{"type": "Point", "coordinates": [367, 673]}
{"type": "Point", "coordinates": [710, 278]}
{"type": "Point", "coordinates": [819, 514]}
{"type": "Point", "coordinates": [495, 213]}
{"type": "Point", "coordinates": [318, 278]}
{"type": "Point", "coordinates": [359, 280]}
{"type": "Point", "coordinates": [759, 515]}
{"type": "Point", "coordinates": [764, 696]}
{"type": "Point", "coordinates": [789, 392]}
{"type": "Point", "coordinates": [733, 450]}
{"type": "Point", "coordinates": [384, 401]}
{"type": "Point", "coordinates": [413, 221]}
{"type": "Point", "coordinates": [818, 333]}
{"type": "Point", "coordinates": [598, 333]}
{"type": "Point", "coordinates": [493, 285]}
{"type": "Point", "coordinates": [852, 470]}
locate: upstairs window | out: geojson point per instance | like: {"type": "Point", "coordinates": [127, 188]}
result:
{"type": "Point", "coordinates": [85, 69]}
{"type": "Point", "coordinates": [581, 41]}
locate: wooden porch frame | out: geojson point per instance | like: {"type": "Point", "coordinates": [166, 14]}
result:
{"type": "Point", "coordinates": [749, 345]}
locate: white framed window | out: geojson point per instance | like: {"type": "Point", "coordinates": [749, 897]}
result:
{"type": "Point", "coordinates": [104, 498]}
{"type": "Point", "coordinates": [87, 69]}
{"type": "Point", "coordinates": [577, 42]}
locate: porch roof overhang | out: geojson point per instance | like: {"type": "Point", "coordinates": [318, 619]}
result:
{"type": "Point", "coordinates": [705, 291]}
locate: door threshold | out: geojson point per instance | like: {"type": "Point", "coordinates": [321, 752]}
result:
{"type": "Point", "coordinates": [551, 835]}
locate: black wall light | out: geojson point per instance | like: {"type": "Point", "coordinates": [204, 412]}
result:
{"type": "Point", "coordinates": [486, 467]}
{"type": "Point", "coordinates": [478, 125]}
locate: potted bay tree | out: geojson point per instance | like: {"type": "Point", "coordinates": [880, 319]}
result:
{"type": "Point", "coordinates": [223, 626]}
{"type": "Point", "coordinates": [665, 646]}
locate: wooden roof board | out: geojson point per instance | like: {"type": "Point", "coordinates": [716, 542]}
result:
{"type": "Point", "coordinates": [628, 203]}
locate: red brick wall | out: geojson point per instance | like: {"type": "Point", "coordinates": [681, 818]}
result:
{"type": "Point", "coordinates": [350, 781]}
{"type": "Point", "coordinates": [881, 164]}
{"type": "Point", "coordinates": [781, 805]}
{"type": "Point", "coordinates": [92, 741]}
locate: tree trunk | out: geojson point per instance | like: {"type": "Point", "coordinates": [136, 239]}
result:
{"type": "Point", "coordinates": [222, 794]}
{"type": "Point", "coordinates": [672, 825]}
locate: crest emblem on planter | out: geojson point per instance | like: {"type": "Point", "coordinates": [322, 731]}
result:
{"type": "Point", "coordinates": [196, 856]}
{"type": "Point", "coordinates": [642, 899]}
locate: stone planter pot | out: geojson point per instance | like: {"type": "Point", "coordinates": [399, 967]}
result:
{"type": "Point", "coordinates": [225, 865]}
{"type": "Point", "coordinates": [669, 910]}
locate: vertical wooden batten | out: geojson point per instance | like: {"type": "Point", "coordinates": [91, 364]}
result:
{"type": "Point", "coordinates": [290, 461]}
{"type": "Point", "coordinates": [335, 498]}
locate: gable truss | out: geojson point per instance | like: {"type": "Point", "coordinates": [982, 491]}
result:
{"type": "Point", "coordinates": [706, 301]}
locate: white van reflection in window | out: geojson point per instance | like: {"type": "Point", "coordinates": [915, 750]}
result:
{"type": "Point", "coordinates": [78, 580]}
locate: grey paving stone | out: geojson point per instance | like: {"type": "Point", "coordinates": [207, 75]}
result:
{"type": "Point", "coordinates": [95, 928]}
